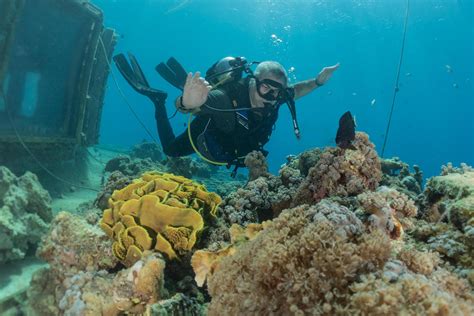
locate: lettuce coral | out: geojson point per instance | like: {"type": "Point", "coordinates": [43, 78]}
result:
{"type": "Point", "coordinates": [159, 211]}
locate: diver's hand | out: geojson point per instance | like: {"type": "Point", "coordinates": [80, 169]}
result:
{"type": "Point", "coordinates": [325, 74]}
{"type": "Point", "coordinates": [195, 92]}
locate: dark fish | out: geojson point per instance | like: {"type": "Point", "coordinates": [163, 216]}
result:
{"type": "Point", "coordinates": [346, 131]}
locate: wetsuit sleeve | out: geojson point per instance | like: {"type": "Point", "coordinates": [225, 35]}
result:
{"type": "Point", "coordinates": [217, 107]}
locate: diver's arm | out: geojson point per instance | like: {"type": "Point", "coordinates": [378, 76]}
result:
{"type": "Point", "coordinates": [304, 87]}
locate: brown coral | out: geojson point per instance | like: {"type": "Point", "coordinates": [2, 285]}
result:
{"type": "Point", "coordinates": [205, 262]}
{"type": "Point", "coordinates": [309, 262]}
{"type": "Point", "coordinates": [342, 172]}
{"type": "Point", "coordinates": [158, 211]}
{"type": "Point", "coordinates": [411, 294]}
{"type": "Point", "coordinates": [387, 208]}
{"type": "Point", "coordinates": [25, 211]}
{"type": "Point", "coordinates": [297, 264]}
{"type": "Point", "coordinates": [257, 165]}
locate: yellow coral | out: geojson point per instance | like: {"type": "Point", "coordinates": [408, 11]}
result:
{"type": "Point", "coordinates": [158, 211]}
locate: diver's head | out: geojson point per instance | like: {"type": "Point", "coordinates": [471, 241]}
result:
{"type": "Point", "coordinates": [225, 70]}
{"type": "Point", "coordinates": [271, 82]}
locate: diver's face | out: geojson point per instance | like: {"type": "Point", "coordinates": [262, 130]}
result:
{"type": "Point", "coordinates": [269, 89]}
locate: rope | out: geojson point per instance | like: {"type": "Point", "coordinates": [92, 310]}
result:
{"type": "Point", "coordinates": [396, 89]}
{"type": "Point", "coordinates": [122, 94]}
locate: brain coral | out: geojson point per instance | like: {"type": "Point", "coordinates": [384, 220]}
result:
{"type": "Point", "coordinates": [157, 211]}
{"type": "Point", "coordinates": [342, 172]}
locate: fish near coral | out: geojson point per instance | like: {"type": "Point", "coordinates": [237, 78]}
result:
{"type": "Point", "coordinates": [346, 131]}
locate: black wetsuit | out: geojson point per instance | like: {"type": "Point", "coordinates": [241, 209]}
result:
{"type": "Point", "coordinates": [221, 136]}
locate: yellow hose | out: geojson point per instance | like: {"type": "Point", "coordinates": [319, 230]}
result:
{"type": "Point", "coordinates": [197, 151]}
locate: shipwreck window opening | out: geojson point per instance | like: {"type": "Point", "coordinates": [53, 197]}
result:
{"type": "Point", "coordinates": [29, 103]}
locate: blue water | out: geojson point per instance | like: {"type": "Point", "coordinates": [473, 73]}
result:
{"type": "Point", "coordinates": [433, 119]}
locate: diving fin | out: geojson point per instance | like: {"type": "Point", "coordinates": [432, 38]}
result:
{"type": "Point", "coordinates": [173, 72]}
{"type": "Point", "coordinates": [134, 75]}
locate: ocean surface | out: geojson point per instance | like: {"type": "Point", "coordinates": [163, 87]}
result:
{"type": "Point", "coordinates": [433, 116]}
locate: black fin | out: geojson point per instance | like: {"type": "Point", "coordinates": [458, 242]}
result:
{"type": "Point", "coordinates": [134, 75]}
{"type": "Point", "coordinates": [168, 75]}
{"type": "Point", "coordinates": [180, 72]}
{"type": "Point", "coordinates": [124, 68]}
{"type": "Point", "coordinates": [138, 70]}
{"type": "Point", "coordinates": [173, 72]}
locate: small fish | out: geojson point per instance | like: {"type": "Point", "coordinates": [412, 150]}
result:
{"type": "Point", "coordinates": [372, 103]}
{"type": "Point", "coordinates": [346, 131]}
{"type": "Point", "coordinates": [448, 68]}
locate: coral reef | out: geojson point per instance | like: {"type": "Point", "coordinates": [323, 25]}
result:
{"type": "Point", "coordinates": [450, 197]}
{"type": "Point", "coordinates": [397, 175]}
{"type": "Point", "coordinates": [206, 262]}
{"type": "Point", "coordinates": [132, 167]}
{"type": "Point", "coordinates": [73, 245]}
{"type": "Point", "coordinates": [99, 292]}
{"type": "Point", "coordinates": [261, 199]}
{"type": "Point", "coordinates": [319, 260]}
{"type": "Point", "coordinates": [147, 150]}
{"type": "Point", "coordinates": [116, 181]}
{"type": "Point", "coordinates": [304, 259]}
{"type": "Point", "coordinates": [77, 282]}
{"type": "Point", "coordinates": [25, 209]}
{"type": "Point", "coordinates": [411, 294]}
{"type": "Point", "coordinates": [157, 211]}
{"type": "Point", "coordinates": [452, 245]}
{"type": "Point", "coordinates": [189, 168]}
{"type": "Point", "coordinates": [257, 165]}
{"type": "Point", "coordinates": [329, 235]}
{"type": "Point", "coordinates": [449, 168]}
{"type": "Point", "coordinates": [308, 159]}
{"type": "Point", "coordinates": [387, 207]}
{"type": "Point", "coordinates": [342, 172]}
{"type": "Point", "coordinates": [179, 304]}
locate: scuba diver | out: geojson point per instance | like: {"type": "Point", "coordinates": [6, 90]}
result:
{"type": "Point", "coordinates": [233, 115]}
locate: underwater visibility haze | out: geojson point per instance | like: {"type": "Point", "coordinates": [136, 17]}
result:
{"type": "Point", "coordinates": [335, 177]}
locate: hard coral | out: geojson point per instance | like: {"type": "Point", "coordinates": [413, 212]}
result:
{"type": "Point", "coordinates": [99, 292]}
{"type": "Point", "coordinates": [25, 209]}
{"type": "Point", "coordinates": [262, 198]}
{"type": "Point", "coordinates": [73, 245]}
{"type": "Point", "coordinates": [450, 197]}
{"type": "Point", "coordinates": [342, 172]}
{"type": "Point", "coordinates": [158, 211]}
{"type": "Point", "coordinates": [397, 175]}
{"type": "Point", "coordinates": [188, 167]}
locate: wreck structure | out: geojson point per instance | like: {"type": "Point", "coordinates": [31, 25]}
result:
{"type": "Point", "coordinates": [54, 64]}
